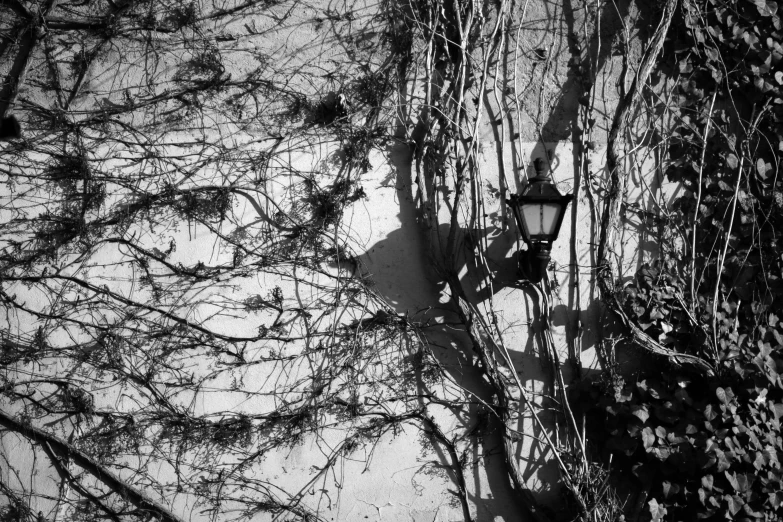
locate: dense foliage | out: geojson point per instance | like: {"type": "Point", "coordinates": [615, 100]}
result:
{"type": "Point", "coordinates": [150, 123]}
{"type": "Point", "coordinates": [708, 446]}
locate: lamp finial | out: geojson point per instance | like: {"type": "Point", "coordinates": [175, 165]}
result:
{"type": "Point", "coordinates": [540, 167]}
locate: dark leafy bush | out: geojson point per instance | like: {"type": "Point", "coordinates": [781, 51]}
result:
{"type": "Point", "coordinates": [703, 450]}
{"type": "Point", "coordinates": [708, 447]}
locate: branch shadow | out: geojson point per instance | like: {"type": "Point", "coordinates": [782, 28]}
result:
{"type": "Point", "coordinates": [403, 272]}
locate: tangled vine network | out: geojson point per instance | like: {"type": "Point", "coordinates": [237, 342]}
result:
{"type": "Point", "coordinates": [146, 378]}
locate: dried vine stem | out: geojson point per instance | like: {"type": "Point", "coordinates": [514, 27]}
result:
{"type": "Point", "coordinates": [616, 139]}
{"type": "Point", "coordinates": [618, 177]}
{"type": "Point", "coordinates": [722, 255]}
{"type": "Point", "coordinates": [161, 303]}
{"type": "Point", "coordinates": [432, 428]}
{"type": "Point", "coordinates": [33, 34]}
{"type": "Point", "coordinates": [502, 384]}
{"type": "Point", "coordinates": [59, 446]}
{"type": "Point", "coordinates": [698, 198]}
{"type": "Point", "coordinates": [480, 333]}
{"type": "Point", "coordinates": [486, 340]}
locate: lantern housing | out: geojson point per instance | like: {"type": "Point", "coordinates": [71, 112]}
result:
{"type": "Point", "coordinates": [538, 211]}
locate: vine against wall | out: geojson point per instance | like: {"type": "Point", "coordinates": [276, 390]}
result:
{"type": "Point", "coordinates": [703, 441]}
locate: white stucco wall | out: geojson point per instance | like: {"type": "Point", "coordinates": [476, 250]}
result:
{"type": "Point", "coordinates": [400, 477]}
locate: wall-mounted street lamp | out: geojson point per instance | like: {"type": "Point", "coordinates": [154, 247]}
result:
{"type": "Point", "coordinates": [538, 210]}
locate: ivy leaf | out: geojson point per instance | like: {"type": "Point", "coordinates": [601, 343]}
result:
{"type": "Point", "coordinates": [739, 481]}
{"type": "Point", "coordinates": [778, 410]}
{"type": "Point", "coordinates": [654, 389]}
{"type": "Point", "coordinates": [762, 84]}
{"type": "Point", "coordinates": [779, 77]}
{"type": "Point", "coordinates": [656, 510]}
{"type": "Point", "coordinates": [670, 489]}
{"type": "Point", "coordinates": [707, 461]}
{"type": "Point", "coordinates": [624, 395]}
{"type": "Point", "coordinates": [735, 503]}
{"type": "Point", "coordinates": [661, 453]}
{"type": "Point", "coordinates": [771, 454]}
{"type": "Point", "coordinates": [706, 482]}
{"type": "Point", "coordinates": [732, 161]}
{"type": "Point", "coordinates": [754, 440]}
{"type": "Point", "coordinates": [778, 337]}
{"type": "Point", "coordinates": [710, 413]}
{"type": "Point", "coordinates": [648, 437]}
{"type": "Point", "coordinates": [750, 39]}
{"type": "Point", "coordinates": [761, 70]}
{"type": "Point", "coordinates": [775, 499]}
{"type": "Point", "coordinates": [641, 412]}
{"type": "Point", "coordinates": [766, 8]}
{"type": "Point", "coordinates": [723, 462]}
{"type": "Point", "coordinates": [722, 396]}
{"type": "Point", "coordinates": [759, 461]}
{"type": "Point", "coordinates": [732, 477]}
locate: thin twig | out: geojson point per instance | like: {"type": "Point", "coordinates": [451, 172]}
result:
{"type": "Point", "coordinates": [698, 200]}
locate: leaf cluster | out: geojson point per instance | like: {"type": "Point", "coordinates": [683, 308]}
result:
{"type": "Point", "coordinates": [708, 446]}
{"type": "Point", "coordinates": [702, 450]}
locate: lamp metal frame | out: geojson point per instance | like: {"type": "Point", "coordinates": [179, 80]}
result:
{"type": "Point", "coordinates": [540, 189]}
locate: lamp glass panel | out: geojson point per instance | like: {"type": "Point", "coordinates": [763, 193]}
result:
{"type": "Point", "coordinates": [541, 218]}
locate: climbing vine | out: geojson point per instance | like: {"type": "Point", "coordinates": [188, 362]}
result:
{"type": "Point", "coordinates": [704, 444]}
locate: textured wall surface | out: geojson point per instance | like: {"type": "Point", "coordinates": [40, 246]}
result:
{"type": "Point", "coordinates": [316, 51]}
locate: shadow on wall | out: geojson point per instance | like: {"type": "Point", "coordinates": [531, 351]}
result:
{"type": "Point", "coordinates": [403, 272]}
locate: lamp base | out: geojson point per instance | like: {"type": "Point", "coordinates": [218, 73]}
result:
{"type": "Point", "coordinates": [534, 262]}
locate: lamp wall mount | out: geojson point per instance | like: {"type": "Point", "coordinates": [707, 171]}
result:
{"type": "Point", "coordinates": [538, 210]}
